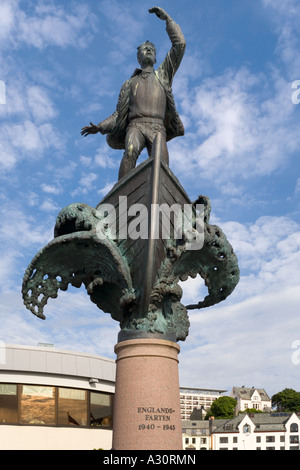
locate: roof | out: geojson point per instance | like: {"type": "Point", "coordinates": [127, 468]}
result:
{"type": "Point", "coordinates": [197, 414]}
{"type": "Point", "coordinates": [49, 360]}
{"type": "Point", "coordinates": [197, 424]}
{"type": "Point", "coordinates": [262, 421]}
{"type": "Point", "coordinates": [246, 393]}
{"type": "Point", "coordinates": [201, 390]}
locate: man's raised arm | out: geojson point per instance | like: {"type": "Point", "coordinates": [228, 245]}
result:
{"type": "Point", "coordinates": [176, 53]}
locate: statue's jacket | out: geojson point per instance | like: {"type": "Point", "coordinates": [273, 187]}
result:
{"type": "Point", "coordinates": [115, 125]}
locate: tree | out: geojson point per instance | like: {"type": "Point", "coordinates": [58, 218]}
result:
{"type": "Point", "coordinates": [250, 411]}
{"type": "Point", "coordinates": [223, 407]}
{"type": "Point", "coordinates": [286, 400]}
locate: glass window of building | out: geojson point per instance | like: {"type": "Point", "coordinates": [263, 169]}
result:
{"type": "Point", "coordinates": [8, 404]}
{"type": "Point", "coordinates": [72, 407]}
{"type": "Point", "coordinates": [100, 410]}
{"type": "Point", "coordinates": [246, 428]}
{"type": "Point", "coordinates": [294, 427]}
{"type": "Point", "coordinates": [37, 405]}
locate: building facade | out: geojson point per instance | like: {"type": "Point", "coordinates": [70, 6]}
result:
{"type": "Point", "coordinates": [249, 398]}
{"type": "Point", "coordinates": [196, 435]}
{"type": "Point", "coordinates": [259, 431]}
{"type": "Point", "coordinates": [52, 399]}
{"type": "Point", "coordinates": [200, 398]}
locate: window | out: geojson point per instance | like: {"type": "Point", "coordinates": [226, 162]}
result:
{"type": "Point", "coordinates": [294, 427]}
{"type": "Point", "coordinates": [72, 407]}
{"type": "Point", "coordinates": [270, 439]}
{"type": "Point", "coordinates": [294, 439]}
{"type": "Point", "coordinates": [223, 440]}
{"type": "Point", "coordinates": [100, 410]}
{"type": "Point", "coordinates": [258, 439]}
{"type": "Point", "coordinates": [246, 428]}
{"type": "Point", "coordinates": [8, 404]}
{"type": "Point", "coordinates": [234, 440]}
{"type": "Point", "coordinates": [52, 406]}
{"type": "Point", "coordinates": [228, 427]}
{"type": "Point", "coordinates": [37, 405]}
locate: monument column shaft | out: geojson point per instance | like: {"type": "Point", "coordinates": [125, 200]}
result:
{"type": "Point", "coordinates": [147, 400]}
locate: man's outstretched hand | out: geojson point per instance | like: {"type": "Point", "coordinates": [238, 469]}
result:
{"type": "Point", "coordinates": [92, 129]}
{"type": "Point", "coordinates": [160, 13]}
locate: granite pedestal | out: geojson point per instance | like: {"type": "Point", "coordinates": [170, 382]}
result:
{"type": "Point", "coordinates": [147, 399]}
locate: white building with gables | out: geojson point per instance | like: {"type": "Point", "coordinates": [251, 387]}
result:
{"type": "Point", "coordinates": [258, 431]}
{"type": "Point", "coordinates": [248, 398]}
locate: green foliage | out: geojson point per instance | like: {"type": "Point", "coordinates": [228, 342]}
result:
{"type": "Point", "coordinates": [223, 407]}
{"type": "Point", "coordinates": [250, 411]}
{"type": "Point", "coordinates": [286, 400]}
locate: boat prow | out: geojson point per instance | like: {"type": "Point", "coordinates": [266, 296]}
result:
{"type": "Point", "coordinates": [139, 199]}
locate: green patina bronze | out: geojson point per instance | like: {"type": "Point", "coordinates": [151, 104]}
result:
{"type": "Point", "coordinates": [136, 281]}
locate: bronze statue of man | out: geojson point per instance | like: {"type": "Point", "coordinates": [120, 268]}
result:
{"type": "Point", "coordinates": [146, 104]}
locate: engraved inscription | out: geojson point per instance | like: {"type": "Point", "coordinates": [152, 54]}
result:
{"type": "Point", "coordinates": [155, 417]}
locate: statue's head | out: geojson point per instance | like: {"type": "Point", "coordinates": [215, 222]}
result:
{"type": "Point", "coordinates": [146, 54]}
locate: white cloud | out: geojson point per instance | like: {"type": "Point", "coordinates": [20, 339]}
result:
{"type": "Point", "coordinates": [244, 125]}
{"type": "Point", "coordinates": [51, 189]}
{"type": "Point", "coordinates": [268, 254]}
{"type": "Point", "coordinates": [246, 343]}
{"type": "Point", "coordinates": [49, 206]}
{"type": "Point", "coordinates": [104, 159]}
{"type": "Point", "coordinates": [86, 184]}
{"type": "Point", "coordinates": [46, 25]}
{"type": "Point", "coordinates": [86, 161]}
{"type": "Point", "coordinates": [103, 191]}
{"type": "Point", "coordinates": [66, 318]}
{"type": "Point", "coordinates": [7, 17]}
{"type": "Point", "coordinates": [26, 140]}
{"type": "Point", "coordinates": [40, 105]}
{"type": "Point", "coordinates": [126, 23]}
{"type": "Point", "coordinates": [27, 101]}
{"type": "Point", "coordinates": [19, 230]}
{"type": "Point", "coordinates": [20, 233]}
{"type": "Point", "coordinates": [285, 15]}
{"type": "Point", "coordinates": [25, 130]}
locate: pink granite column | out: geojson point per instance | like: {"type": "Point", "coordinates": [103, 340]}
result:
{"type": "Point", "coordinates": [147, 401]}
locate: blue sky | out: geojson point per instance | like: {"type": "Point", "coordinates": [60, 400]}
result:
{"type": "Point", "coordinates": [62, 64]}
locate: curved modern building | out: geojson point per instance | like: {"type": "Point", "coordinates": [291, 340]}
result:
{"type": "Point", "coordinates": [52, 399]}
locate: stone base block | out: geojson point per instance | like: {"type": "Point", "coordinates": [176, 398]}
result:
{"type": "Point", "coordinates": [147, 400]}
